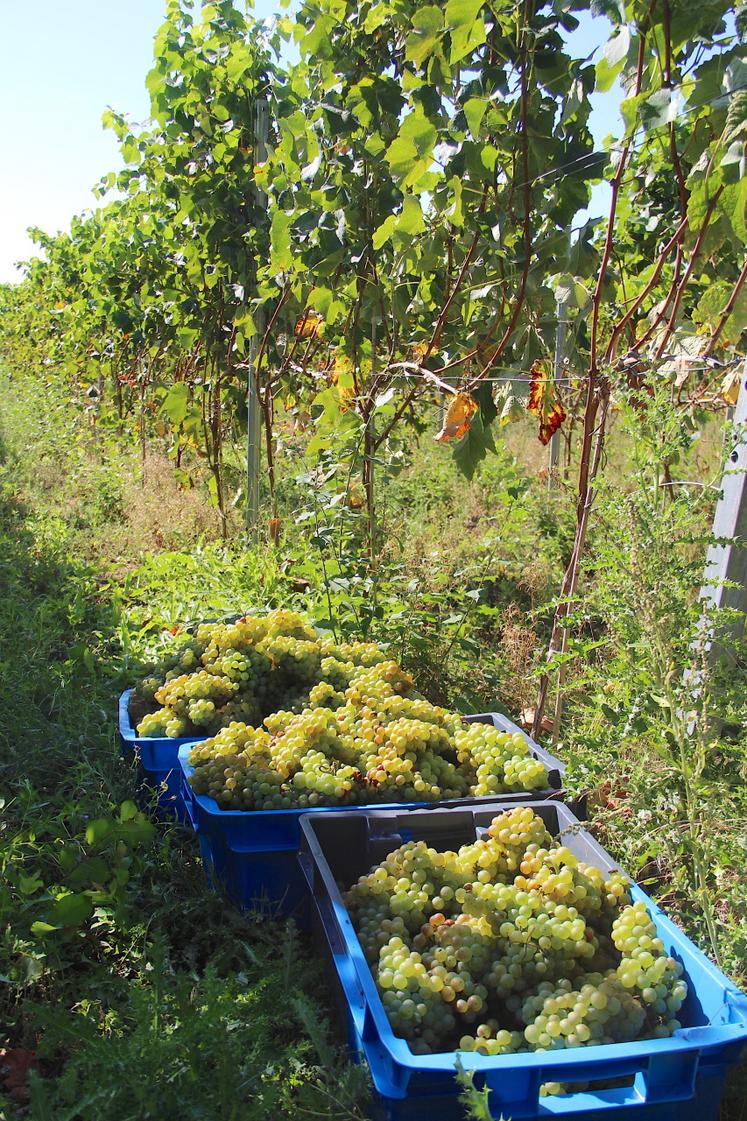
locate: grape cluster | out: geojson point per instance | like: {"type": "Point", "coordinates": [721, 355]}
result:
{"type": "Point", "coordinates": [345, 723]}
{"type": "Point", "coordinates": [364, 736]}
{"type": "Point", "coordinates": [502, 762]}
{"type": "Point", "coordinates": [230, 672]}
{"type": "Point", "coordinates": [512, 944]}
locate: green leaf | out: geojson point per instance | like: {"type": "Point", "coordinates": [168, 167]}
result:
{"type": "Point", "coordinates": [98, 830]}
{"type": "Point", "coordinates": [128, 810]}
{"type": "Point", "coordinates": [701, 197]}
{"type": "Point", "coordinates": [212, 486]}
{"type": "Point", "coordinates": [734, 202]}
{"type": "Point", "coordinates": [475, 1102]}
{"type": "Point", "coordinates": [483, 394]}
{"type": "Point", "coordinates": [428, 25]}
{"type": "Point", "coordinates": [609, 66]}
{"type": "Point", "coordinates": [27, 885]}
{"type": "Point", "coordinates": [138, 831]}
{"type": "Point", "coordinates": [42, 928]}
{"type": "Point", "coordinates": [68, 910]}
{"type": "Point", "coordinates": [377, 17]}
{"type": "Point", "coordinates": [462, 13]}
{"type": "Point", "coordinates": [464, 42]}
{"type": "Point", "coordinates": [574, 100]}
{"type": "Point", "coordinates": [617, 48]}
{"type": "Point", "coordinates": [281, 258]}
{"type": "Point", "coordinates": [320, 299]}
{"type": "Point", "coordinates": [661, 108]}
{"type": "Point", "coordinates": [187, 336]}
{"type": "Point", "coordinates": [711, 306]}
{"type": "Point", "coordinates": [569, 290]}
{"type": "Point", "coordinates": [411, 153]}
{"type": "Point", "coordinates": [489, 157]}
{"type": "Point", "coordinates": [629, 110]}
{"type": "Point", "coordinates": [130, 151]}
{"type": "Point", "coordinates": [474, 111]}
{"type": "Point", "coordinates": [734, 154]}
{"type": "Point", "coordinates": [176, 402]}
{"type": "Point", "coordinates": [384, 231]}
{"type": "Point", "coordinates": [95, 870]}
{"type": "Point", "coordinates": [473, 446]}
{"type": "Point", "coordinates": [467, 30]}
{"type": "Point", "coordinates": [411, 219]}
{"type": "Point", "coordinates": [454, 211]}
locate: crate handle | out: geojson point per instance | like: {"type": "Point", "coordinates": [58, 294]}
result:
{"type": "Point", "coordinates": [343, 964]}
{"type": "Point", "coordinates": [661, 1077]}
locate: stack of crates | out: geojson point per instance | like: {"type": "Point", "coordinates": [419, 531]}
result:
{"type": "Point", "coordinates": [298, 862]}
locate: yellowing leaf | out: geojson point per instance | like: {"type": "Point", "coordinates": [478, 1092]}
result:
{"type": "Point", "coordinates": [544, 403]}
{"type": "Point", "coordinates": [418, 352]}
{"type": "Point", "coordinates": [346, 394]}
{"type": "Point", "coordinates": [309, 326]}
{"type": "Point", "coordinates": [729, 391]}
{"type": "Point", "coordinates": [342, 366]}
{"type": "Point", "coordinates": [341, 376]}
{"type": "Point", "coordinates": [458, 418]}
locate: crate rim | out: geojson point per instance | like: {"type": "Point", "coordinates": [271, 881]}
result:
{"type": "Point", "coordinates": [693, 1039]}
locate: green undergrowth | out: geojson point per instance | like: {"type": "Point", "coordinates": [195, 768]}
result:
{"type": "Point", "coordinates": [140, 992]}
{"type": "Point", "coordinates": [118, 967]}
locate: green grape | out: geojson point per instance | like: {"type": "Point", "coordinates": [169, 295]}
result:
{"type": "Point", "coordinates": [346, 721]}
{"type": "Point", "coordinates": [244, 669]}
{"type": "Point", "coordinates": [646, 970]}
{"type": "Point", "coordinates": [511, 944]}
{"type": "Point", "coordinates": [165, 722]}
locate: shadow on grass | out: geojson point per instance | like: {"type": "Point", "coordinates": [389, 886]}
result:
{"type": "Point", "coordinates": [58, 677]}
{"type": "Point", "coordinates": [151, 998]}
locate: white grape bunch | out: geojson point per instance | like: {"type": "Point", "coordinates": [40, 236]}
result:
{"type": "Point", "coordinates": [347, 725]}
{"type": "Point", "coordinates": [512, 944]}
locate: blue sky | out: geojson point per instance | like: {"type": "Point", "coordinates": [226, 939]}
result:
{"type": "Point", "coordinates": [62, 62]}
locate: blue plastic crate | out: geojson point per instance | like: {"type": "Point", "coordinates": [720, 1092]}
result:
{"type": "Point", "coordinates": [677, 1079]}
{"type": "Point", "coordinates": [252, 854]}
{"type": "Point", "coordinates": [157, 758]}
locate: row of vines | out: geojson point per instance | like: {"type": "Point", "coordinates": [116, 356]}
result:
{"type": "Point", "coordinates": [393, 220]}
